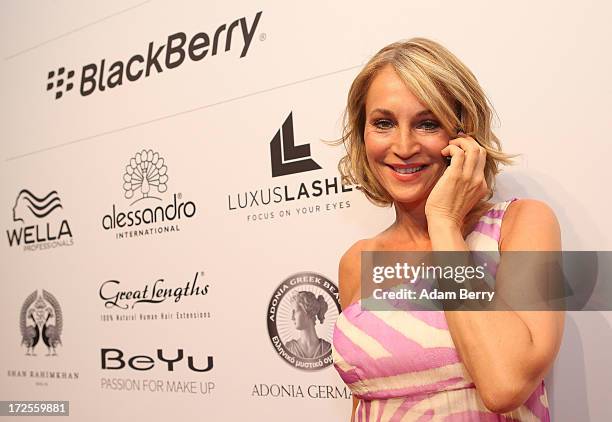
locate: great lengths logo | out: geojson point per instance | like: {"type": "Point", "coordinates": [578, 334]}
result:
{"type": "Point", "coordinates": [144, 180]}
{"type": "Point", "coordinates": [96, 77]}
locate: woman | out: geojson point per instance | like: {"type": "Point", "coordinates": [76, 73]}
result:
{"type": "Point", "coordinates": [306, 309]}
{"type": "Point", "coordinates": [413, 107]}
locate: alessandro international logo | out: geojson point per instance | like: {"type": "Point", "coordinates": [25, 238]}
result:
{"type": "Point", "coordinates": [145, 181]}
{"type": "Point", "coordinates": [39, 223]}
{"type": "Point", "coordinates": [153, 59]}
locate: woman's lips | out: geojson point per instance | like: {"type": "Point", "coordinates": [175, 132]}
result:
{"type": "Point", "coordinates": [406, 173]}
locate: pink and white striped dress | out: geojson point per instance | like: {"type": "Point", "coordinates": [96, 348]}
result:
{"type": "Point", "coordinates": [403, 365]}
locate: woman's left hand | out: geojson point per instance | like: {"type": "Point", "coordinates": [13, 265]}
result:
{"type": "Point", "coordinates": [461, 186]}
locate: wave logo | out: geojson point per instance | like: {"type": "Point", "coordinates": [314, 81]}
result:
{"type": "Point", "coordinates": [42, 235]}
{"type": "Point", "coordinates": [39, 207]}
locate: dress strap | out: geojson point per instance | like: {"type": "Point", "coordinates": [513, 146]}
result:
{"type": "Point", "coordinates": [487, 232]}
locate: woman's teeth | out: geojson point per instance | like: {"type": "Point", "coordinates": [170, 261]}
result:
{"type": "Point", "coordinates": [408, 170]}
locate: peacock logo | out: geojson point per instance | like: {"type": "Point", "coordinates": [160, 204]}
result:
{"type": "Point", "coordinates": [145, 176]}
{"type": "Point", "coordinates": [28, 203]}
{"type": "Point", "coordinates": [41, 318]}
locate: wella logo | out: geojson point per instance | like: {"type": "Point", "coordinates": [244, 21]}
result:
{"type": "Point", "coordinates": [155, 59]}
{"type": "Point", "coordinates": [45, 234]}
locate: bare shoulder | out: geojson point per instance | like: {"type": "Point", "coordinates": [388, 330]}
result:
{"type": "Point", "coordinates": [530, 224]}
{"type": "Point", "coordinates": [349, 272]}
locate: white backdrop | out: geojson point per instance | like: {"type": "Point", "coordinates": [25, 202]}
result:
{"type": "Point", "coordinates": [542, 64]}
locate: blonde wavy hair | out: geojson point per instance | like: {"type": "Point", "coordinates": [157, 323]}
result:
{"type": "Point", "coordinates": [442, 83]}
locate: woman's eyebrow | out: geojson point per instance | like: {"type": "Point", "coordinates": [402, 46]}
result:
{"type": "Point", "coordinates": [386, 112]}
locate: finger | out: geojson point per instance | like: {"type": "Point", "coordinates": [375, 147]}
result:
{"type": "Point", "coordinates": [472, 155]}
{"type": "Point", "coordinates": [457, 157]}
{"type": "Point", "coordinates": [482, 161]}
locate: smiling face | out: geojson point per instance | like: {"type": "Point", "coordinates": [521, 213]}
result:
{"type": "Point", "coordinates": [403, 139]}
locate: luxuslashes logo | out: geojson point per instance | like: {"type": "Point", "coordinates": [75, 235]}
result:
{"type": "Point", "coordinates": [285, 156]}
{"type": "Point", "coordinates": [48, 231]}
{"type": "Point", "coordinates": [288, 159]}
{"type": "Point", "coordinates": [178, 48]}
{"type": "Point", "coordinates": [144, 181]}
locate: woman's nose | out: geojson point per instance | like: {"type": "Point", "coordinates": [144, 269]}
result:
{"type": "Point", "coordinates": [405, 144]}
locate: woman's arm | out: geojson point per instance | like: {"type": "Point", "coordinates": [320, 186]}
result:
{"type": "Point", "coordinates": [507, 353]}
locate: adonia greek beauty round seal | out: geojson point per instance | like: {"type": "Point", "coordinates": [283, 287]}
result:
{"type": "Point", "coordinates": [301, 317]}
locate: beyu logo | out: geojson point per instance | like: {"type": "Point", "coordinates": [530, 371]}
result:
{"type": "Point", "coordinates": [145, 363]}
{"type": "Point", "coordinates": [178, 47]}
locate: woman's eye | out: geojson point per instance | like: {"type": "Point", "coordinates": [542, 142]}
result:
{"type": "Point", "coordinates": [429, 125]}
{"type": "Point", "coordinates": [383, 124]}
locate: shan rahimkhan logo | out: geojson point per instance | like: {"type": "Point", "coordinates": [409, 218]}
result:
{"type": "Point", "coordinates": [153, 59]}
{"type": "Point", "coordinates": [41, 321]}
{"type": "Point", "coordinates": [145, 180]}
{"type": "Point", "coordinates": [39, 226]}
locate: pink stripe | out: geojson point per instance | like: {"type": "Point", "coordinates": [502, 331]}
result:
{"type": "Point", "coordinates": [495, 213]}
{"type": "Point", "coordinates": [367, 410]}
{"type": "Point", "coordinates": [348, 377]}
{"type": "Point", "coordinates": [491, 230]}
{"type": "Point", "coordinates": [401, 411]}
{"type": "Point", "coordinates": [369, 368]}
{"type": "Point", "coordinates": [427, 416]}
{"type": "Point", "coordinates": [410, 355]}
{"type": "Point", "coordinates": [534, 404]}
{"type": "Point", "coordinates": [416, 391]}
{"type": "Point", "coordinates": [381, 409]}
{"type": "Point", "coordinates": [432, 318]}
{"type": "Point", "coordinates": [476, 415]}
{"type": "Point", "coordinates": [360, 413]}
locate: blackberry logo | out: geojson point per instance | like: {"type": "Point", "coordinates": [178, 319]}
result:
{"type": "Point", "coordinates": [178, 48]}
{"type": "Point", "coordinates": [59, 83]}
{"type": "Point", "coordinates": [285, 156]}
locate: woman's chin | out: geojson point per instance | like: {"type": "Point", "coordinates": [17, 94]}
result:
{"type": "Point", "coordinates": [408, 197]}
